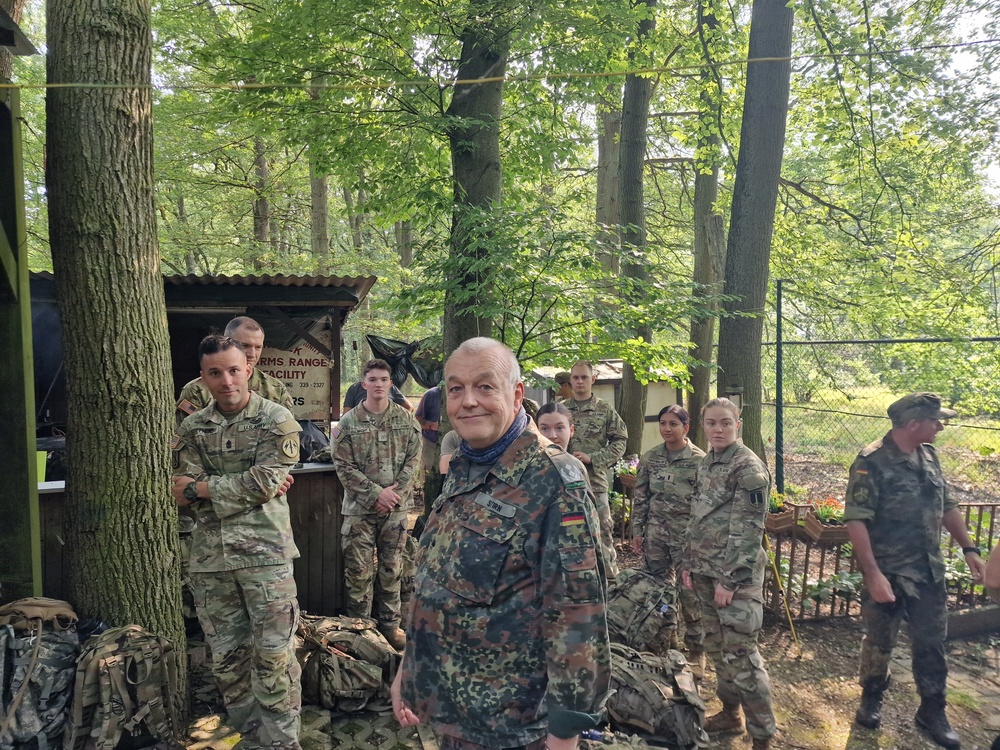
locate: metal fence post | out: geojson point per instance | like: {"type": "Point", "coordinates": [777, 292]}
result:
{"type": "Point", "coordinates": [779, 403]}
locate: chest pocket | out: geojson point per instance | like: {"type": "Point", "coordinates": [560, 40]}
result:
{"type": "Point", "coordinates": [472, 569]}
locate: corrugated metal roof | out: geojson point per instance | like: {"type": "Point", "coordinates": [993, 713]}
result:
{"type": "Point", "coordinates": [357, 282]}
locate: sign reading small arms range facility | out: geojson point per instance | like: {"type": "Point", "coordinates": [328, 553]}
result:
{"type": "Point", "coordinates": [306, 374]}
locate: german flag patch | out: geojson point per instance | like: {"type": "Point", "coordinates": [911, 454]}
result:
{"type": "Point", "coordinates": [573, 519]}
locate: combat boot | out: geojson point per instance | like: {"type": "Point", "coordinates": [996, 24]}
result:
{"type": "Point", "coordinates": [932, 719]}
{"type": "Point", "coordinates": [761, 743]}
{"type": "Point", "coordinates": [395, 636]}
{"type": "Point", "coordinates": [869, 713]}
{"type": "Point", "coordinates": [728, 721]}
{"type": "Point", "coordinates": [697, 662]}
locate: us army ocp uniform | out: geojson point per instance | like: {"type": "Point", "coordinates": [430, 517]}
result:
{"type": "Point", "coordinates": [600, 433]}
{"type": "Point", "coordinates": [195, 394]}
{"type": "Point", "coordinates": [241, 562]}
{"type": "Point", "coordinates": [902, 504]}
{"type": "Point", "coordinates": [724, 545]}
{"type": "Point", "coordinates": [371, 452]}
{"type": "Point", "coordinates": [507, 636]}
{"type": "Point", "coordinates": [661, 510]}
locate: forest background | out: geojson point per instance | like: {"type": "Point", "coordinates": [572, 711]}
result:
{"type": "Point", "coordinates": [312, 137]}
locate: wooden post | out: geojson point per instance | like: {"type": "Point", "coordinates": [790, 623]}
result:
{"type": "Point", "coordinates": [20, 536]}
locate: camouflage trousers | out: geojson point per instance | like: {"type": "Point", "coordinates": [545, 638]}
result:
{"type": "Point", "coordinates": [607, 533]}
{"type": "Point", "coordinates": [249, 617]}
{"type": "Point", "coordinates": [731, 640]}
{"type": "Point", "coordinates": [662, 561]}
{"type": "Point", "coordinates": [923, 605]}
{"type": "Point", "coordinates": [447, 742]}
{"type": "Point", "coordinates": [367, 579]}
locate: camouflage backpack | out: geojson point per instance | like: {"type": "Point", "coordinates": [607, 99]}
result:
{"type": "Point", "coordinates": [640, 609]}
{"type": "Point", "coordinates": [345, 662]}
{"type": "Point", "coordinates": [656, 696]}
{"type": "Point", "coordinates": [124, 680]}
{"type": "Point", "coordinates": [38, 650]}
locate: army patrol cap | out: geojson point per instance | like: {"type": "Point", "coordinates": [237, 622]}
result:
{"type": "Point", "coordinates": [562, 378]}
{"type": "Point", "coordinates": [918, 406]}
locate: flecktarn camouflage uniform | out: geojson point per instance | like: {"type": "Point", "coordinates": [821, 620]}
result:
{"type": "Point", "coordinates": [661, 509]}
{"type": "Point", "coordinates": [724, 546]}
{"type": "Point", "coordinates": [507, 637]}
{"type": "Point", "coordinates": [195, 394]}
{"type": "Point", "coordinates": [371, 452]}
{"type": "Point", "coordinates": [902, 504]}
{"type": "Point", "coordinates": [600, 433]}
{"type": "Point", "coordinates": [241, 563]}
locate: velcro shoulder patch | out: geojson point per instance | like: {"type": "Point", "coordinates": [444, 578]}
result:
{"type": "Point", "coordinates": [287, 427]}
{"type": "Point", "coordinates": [752, 480]}
{"type": "Point", "coordinates": [187, 407]}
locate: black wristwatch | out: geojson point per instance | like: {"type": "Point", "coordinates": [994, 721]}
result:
{"type": "Point", "coordinates": [191, 492]}
{"type": "Point", "coordinates": [967, 550]}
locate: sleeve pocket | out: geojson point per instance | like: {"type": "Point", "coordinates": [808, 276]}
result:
{"type": "Point", "coordinates": [580, 572]}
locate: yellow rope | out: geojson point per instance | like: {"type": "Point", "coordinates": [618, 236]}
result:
{"type": "Point", "coordinates": [781, 590]}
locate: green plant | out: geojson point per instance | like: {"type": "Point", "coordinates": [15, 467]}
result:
{"type": "Point", "coordinates": [844, 584]}
{"type": "Point", "coordinates": [828, 510]}
{"type": "Point", "coordinates": [793, 491]}
{"type": "Point", "coordinates": [628, 466]}
{"type": "Point", "coordinates": [620, 510]}
{"type": "Point", "coordinates": [775, 502]}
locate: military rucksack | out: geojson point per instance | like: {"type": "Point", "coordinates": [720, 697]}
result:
{"type": "Point", "coordinates": [38, 650]}
{"type": "Point", "coordinates": [124, 680]}
{"type": "Point", "coordinates": [640, 609]}
{"type": "Point", "coordinates": [345, 662]}
{"type": "Point", "coordinates": [656, 696]}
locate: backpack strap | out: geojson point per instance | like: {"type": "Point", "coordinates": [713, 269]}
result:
{"type": "Point", "coordinates": [19, 695]}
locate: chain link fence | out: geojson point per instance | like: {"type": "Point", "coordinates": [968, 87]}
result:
{"type": "Point", "coordinates": [823, 401]}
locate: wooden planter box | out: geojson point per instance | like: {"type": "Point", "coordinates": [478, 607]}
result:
{"type": "Point", "coordinates": [780, 523]}
{"type": "Point", "coordinates": [627, 480]}
{"type": "Point", "coordinates": [825, 533]}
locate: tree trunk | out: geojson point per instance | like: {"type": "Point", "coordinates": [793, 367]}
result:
{"type": "Point", "coordinates": [635, 117]}
{"type": "Point", "coordinates": [404, 242]}
{"type": "Point", "coordinates": [261, 205]}
{"type": "Point", "coordinates": [748, 253]}
{"type": "Point", "coordinates": [353, 220]}
{"type": "Point", "coordinates": [319, 236]}
{"type": "Point", "coordinates": [14, 9]}
{"type": "Point", "coordinates": [190, 262]}
{"type": "Point", "coordinates": [709, 241]}
{"type": "Point", "coordinates": [121, 527]}
{"type": "Point", "coordinates": [474, 139]}
{"type": "Point", "coordinates": [609, 128]}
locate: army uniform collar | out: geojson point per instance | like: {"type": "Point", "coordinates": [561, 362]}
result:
{"type": "Point", "coordinates": [897, 456]}
{"type": "Point", "coordinates": [727, 455]}
{"type": "Point", "coordinates": [587, 405]}
{"type": "Point", "coordinates": [511, 464]}
{"type": "Point", "coordinates": [250, 410]}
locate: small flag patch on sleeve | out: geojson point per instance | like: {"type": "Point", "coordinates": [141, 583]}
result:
{"type": "Point", "coordinates": [187, 407]}
{"type": "Point", "coordinates": [573, 519]}
{"type": "Point", "coordinates": [861, 471]}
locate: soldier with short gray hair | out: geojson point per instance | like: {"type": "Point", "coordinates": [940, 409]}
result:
{"type": "Point", "coordinates": [896, 504]}
{"type": "Point", "coordinates": [507, 640]}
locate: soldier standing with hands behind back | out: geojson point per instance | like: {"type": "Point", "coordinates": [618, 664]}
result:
{"type": "Point", "coordinates": [598, 441]}
{"type": "Point", "coordinates": [376, 448]}
{"type": "Point", "coordinates": [897, 501]}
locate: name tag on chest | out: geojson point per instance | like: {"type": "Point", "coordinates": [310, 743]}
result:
{"type": "Point", "coordinates": [495, 506]}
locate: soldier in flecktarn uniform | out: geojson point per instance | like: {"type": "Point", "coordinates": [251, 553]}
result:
{"type": "Point", "coordinates": [507, 642]}
{"type": "Point", "coordinates": [897, 502]}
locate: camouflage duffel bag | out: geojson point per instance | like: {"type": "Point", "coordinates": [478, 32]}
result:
{"type": "Point", "coordinates": [346, 662]}
{"type": "Point", "coordinates": [38, 650]}
{"type": "Point", "coordinates": [640, 608]}
{"type": "Point", "coordinates": [657, 697]}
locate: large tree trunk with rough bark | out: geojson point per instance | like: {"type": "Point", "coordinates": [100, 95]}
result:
{"type": "Point", "coordinates": [121, 522]}
{"type": "Point", "coordinates": [319, 214]}
{"type": "Point", "coordinates": [635, 118]}
{"type": "Point", "coordinates": [474, 137]}
{"type": "Point", "coordinates": [609, 128]}
{"type": "Point", "coordinates": [709, 237]}
{"type": "Point", "coordinates": [751, 224]}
